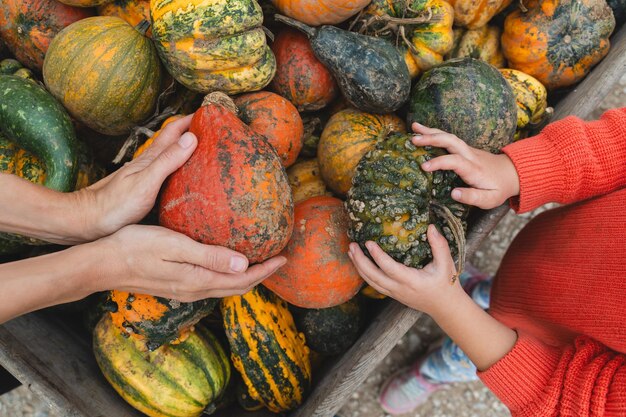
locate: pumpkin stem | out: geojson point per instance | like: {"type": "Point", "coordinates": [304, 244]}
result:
{"type": "Point", "coordinates": [457, 231]}
{"type": "Point", "coordinates": [522, 7]}
{"type": "Point", "coordinates": [268, 33]}
{"type": "Point", "coordinates": [221, 99]}
{"type": "Point", "coordinates": [142, 27]}
{"type": "Point", "coordinates": [308, 30]}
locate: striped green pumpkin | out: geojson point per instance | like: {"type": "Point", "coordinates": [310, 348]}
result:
{"type": "Point", "coordinates": [172, 381]}
{"type": "Point", "coordinates": [266, 349]}
{"type": "Point", "coordinates": [105, 72]}
{"type": "Point", "coordinates": [213, 46]}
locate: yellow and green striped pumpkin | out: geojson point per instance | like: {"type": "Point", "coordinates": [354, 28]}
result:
{"type": "Point", "coordinates": [172, 381]}
{"type": "Point", "coordinates": [531, 97]}
{"type": "Point", "coordinates": [266, 349]}
{"type": "Point", "coordinates": [105, 72]}
{"type": "Point", "coordinates": [213, 46]}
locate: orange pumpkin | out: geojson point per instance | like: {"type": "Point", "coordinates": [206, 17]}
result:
{"type": "Point", "coordinates": [85, 3]}
{"type": "Point", "coordinates": [318, 272]}
{"type": "Point", "coordinates": [473, 14]}
{"type": "Point", "coordinates": [28, 26]}
{"type": "Point", "coordinates": [558, 41]}
{"type": "Point", "coordinates": [275, 118]}
{"type": "Point", "coordinates": [347, 136]}
{"type": "Point", "coordinates": [320, 12]}
{"type": "Point", "coordinates": [132, 11]}
{"type": "Point", "coordinates": [233, 191]}
{"type": "Point", "coordinates": [300, 76]}
{"type": "Point", "coordinates": [305, 180]}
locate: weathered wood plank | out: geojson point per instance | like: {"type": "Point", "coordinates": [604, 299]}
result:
{"type": "Point", "coordinates": [58, 365]}
{"type": "Point", "coordinates": [378, 340]}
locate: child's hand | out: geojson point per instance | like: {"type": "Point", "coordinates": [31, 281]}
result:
{"type": "Point", "coordinates": [493, 177]}
{"type": "Point", "coordinates": [429, 289]}
{"type": "Point", "coordinates": [128, 194]}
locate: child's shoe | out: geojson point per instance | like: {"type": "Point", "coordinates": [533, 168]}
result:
{"type": "Point", "coordinates": [406, 390]}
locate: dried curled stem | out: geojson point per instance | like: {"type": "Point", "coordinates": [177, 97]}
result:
{"type": "Point", "coordinates": [457, 231]}
{"type": "Point", "coordinates": [220, 99]}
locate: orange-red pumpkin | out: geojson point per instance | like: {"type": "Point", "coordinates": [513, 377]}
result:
{"type": "Point", "coordinates": [28, 26]}
{"type": "Point", "coordinates": [300, 76]}
{"type": "Point", "coordinates": [233, 191]}
{"type": "Point", "coordinates": [318, 272]}
{"type": "Point", "coordinates": [275, 118]}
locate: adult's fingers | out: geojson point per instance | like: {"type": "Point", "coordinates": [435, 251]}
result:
{"type": "Point", "coordinates": [386, 263]}
{"type": "Point", "coordinates": [442, 259]}
{"type": "Point", "coordinates": [484, 199]}
{"type": "Point", "coordinates": [170, 159]}
{"type": "Point", "coordinates": [213, 258]}
{"type": "Point", "coordinates": [170, 135]}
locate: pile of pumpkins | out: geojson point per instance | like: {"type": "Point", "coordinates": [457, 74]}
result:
{"type": "Point", "coordinates": [303, 147]}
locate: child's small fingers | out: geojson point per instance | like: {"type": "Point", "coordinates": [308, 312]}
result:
{"type": "Point", "coordinates": [451, 162]}
{"type": "Point", "coordinates": [368, 270]}
{"type": "Point", "coordinates": [443, 140]}
{"type": "Point", "coordinates": [484, 199]}
{"type": "Point", "coordinates": [419, 128]}
{"type": "Point", "coordinates": [386, 263]}
{"type": "Point", "coordinates": [442, 259]}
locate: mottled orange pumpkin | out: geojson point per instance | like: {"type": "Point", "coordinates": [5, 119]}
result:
{"type": "Point", "coordinates": [233, 191]}
{"type": "Point", "coordinates": [300, 76]}
{"type": "Point", "coordinates": [473, 14]}
{"type": "Point", "coordinates": [275, 118]}
{"type": "Point", "coordinates": [132, 11]}
{"type": "Point", "coordinates": [347, 136]}
{"type": "Point", "coordinates": [318, 272]}
{"type": "Point", "coordinates": [558, 41]}
{"type": "Point", "coordinates": [28, 26]}
{"type": "Point", "coordinates": [320, 12]}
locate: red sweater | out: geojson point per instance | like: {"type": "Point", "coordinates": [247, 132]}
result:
{"type": "Point", "coordinates": [562, 284]}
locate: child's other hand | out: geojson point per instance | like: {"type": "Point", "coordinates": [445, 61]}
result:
{"type": "Point", "coordinates": [428, 289]}
{"type": "Point", "coordinates": [493, 178]}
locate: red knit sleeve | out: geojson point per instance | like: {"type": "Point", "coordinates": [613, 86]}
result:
{"type": "Point", "coordinates": [571, 160]}
{"type": "Point", "coordinates": [585, 379]}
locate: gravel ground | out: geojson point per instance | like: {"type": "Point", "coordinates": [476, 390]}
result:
{"type": "Point", "coordinates": [459, 400]}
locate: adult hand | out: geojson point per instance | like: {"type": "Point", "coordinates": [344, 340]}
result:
{"type": "Point", "coordinates": [158, 261]}
{"type": "Point", "coordinates": [492, 178]}
{"type": "Point", "coordinates": [428, 289]}
{"type": "Point", "coordinates": [128, 194]}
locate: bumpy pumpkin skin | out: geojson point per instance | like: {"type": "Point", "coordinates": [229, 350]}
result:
{"type": "Point", "coordinates": [157, 320]}
{"type": "Point", "coordinates": [105, 72]}
{"type": "Point", "coordinates": [300, 76]}
{"type": "Point", "coordinates": [214, 46]}
{"type": "Point", "coordinates": [318, 273]}
{"type": "Point", "coordinates": [558, 41]}
{"type": "Point", "coordinates": [468, 98]}
{"type": "Point", "coordinates": [131, 11]}
{"type": "Point", "coordinates": [347, 136]}
{"type": "Point", "coordinates": [320, 12]}
{"type": "Point", "coordinates": [275, 118]}
{"type": "Point", "coordinates": [233, 191]}
{"type": "Point", "coordinates": [174, 380]}
{"type": "Point", "coordinates": [28, 26]}
{"type": "Point", "coordinates": [619, 10]}
{"type": "Point", "coordinates": [85, 3]}
{"type": "Point", "coordinates": [482, 43]}
{"type": "Point", "coordinates": [266, 349]}
{"type": "Point", "coordinates": [306, 181]}
{"type": "Point", "coordinates": [391, 201]}
{"type": "Point", "coordinates": [429, 41]}
{"type": "Point", "coordinates": [473, 14]}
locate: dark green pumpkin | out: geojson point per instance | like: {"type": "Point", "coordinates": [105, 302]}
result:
{"type": "Point", "coordinates": [180, 380]}
{"type": "Point", "coordinates": [157, 320]}
{"type": "Point", "coordinates": [370, 72]}
{"type": "Point", "coordinates": [468, 98]}
{"type": "Point", "coordinates": [333, 330]}
{"type": "Point", "coordinates": [392, 202]}
{"type": "Point", "coordinates": [619, 10]}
